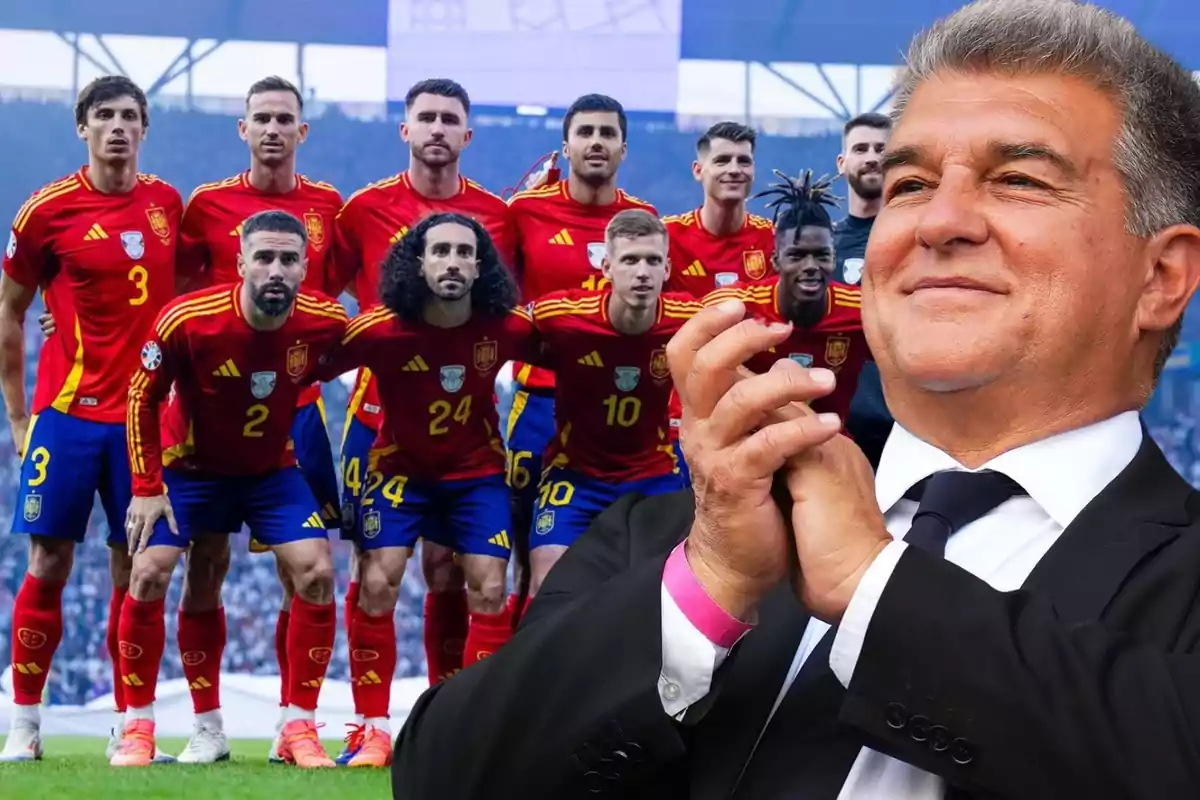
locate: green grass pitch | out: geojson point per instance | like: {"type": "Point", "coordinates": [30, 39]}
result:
{"type": "Point", "coordinates": [77, 764]}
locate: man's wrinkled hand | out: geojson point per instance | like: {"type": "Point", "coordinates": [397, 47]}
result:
{"type": "Point", "coordinates": [739, 545]}
{"type": "Point", "coordinates": [140, 518]}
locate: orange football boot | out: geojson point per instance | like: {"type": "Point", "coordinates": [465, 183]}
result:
{"type": "Point", "coordinates": [300, 745]}
{"type": "Point", "coordinates": [376, 749]}
{"type": "Point", "coordinates": [137, 745]}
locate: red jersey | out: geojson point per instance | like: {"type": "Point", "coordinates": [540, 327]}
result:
{"type": "Point", "coordinates": [611, 409]}
{"type": "Point", "coordinates": [106, 265]}
{"type": "Point", "coordinates": [377, 217]}
{"type": "Point", "coordinates": [212, 232]}
{"type": "Point", "coordinates": [438, 420]}
{"type": "Point", "coordinates": [212, 227]}
{"type": "Point", "coordinates": [560, 246]}
{"type": "Point", "coordinates": [836, 342]}
{"type": "Point", "coordinates": [233, 389]}
{"type": "Point", "coordinates": [702, 261]}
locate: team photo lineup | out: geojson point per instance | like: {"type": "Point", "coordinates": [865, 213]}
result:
{"type": "Point", "coordinates": [510, 382]}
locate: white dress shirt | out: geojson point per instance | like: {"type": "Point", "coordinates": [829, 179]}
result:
{"type": "Point", "coordinates": [1061, 474]}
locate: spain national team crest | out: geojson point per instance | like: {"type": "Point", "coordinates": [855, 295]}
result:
{"type": "Point", "coordinates": [453, 377]}
{"type": "Point", "coordinates": [262, 384]}
{"type": "Point", "coordinates": [297, 360]}
{"type": "Point", "coordinates": [837, 350]}
{"type": "Point", "coordinates": [159, 224]}
{"type": "Point", "coordinates": [134, 244]}
{"type": "Point", "coordinates": [544, 523]}
{"type": "Point", "coordinates": [33, 507]}
{"type": "Point", "coordinates": [316, 229]}
{"type": "Point", "coordinates": [486, 353]}
{"type": "Point", "coordinates": [659, 368]}
{"type": "Point", "coordinates": [754, 262]}
{"type": "Point", "coordinates": [803, 359]}
{"type": "Point", "coordinates": [626, 378]}
{"type": "Point", "coordinates": [370, 524]}
{"type": "Point", "coordinates": [596, 254]}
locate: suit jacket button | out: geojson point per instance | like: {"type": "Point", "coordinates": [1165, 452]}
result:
{"type": "Point", "coordinates": [962, 751]}
{"type": "Point", "coordinates": [895, 715]}
{"type": "Point", "coordinates": [939, 738]}
{"type": "Point", "coordinates": [918, 727]}
{"type": "Point", "coordinates": [595, 782]}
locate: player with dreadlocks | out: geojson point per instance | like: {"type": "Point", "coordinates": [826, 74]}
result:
{"type": "Point", "coordinates": [447, 323]}
{"type": "Point", "coordinates": [826, 315]}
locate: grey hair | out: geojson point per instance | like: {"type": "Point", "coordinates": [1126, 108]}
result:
{"type": "Point", "coordinates": [1157, 150]}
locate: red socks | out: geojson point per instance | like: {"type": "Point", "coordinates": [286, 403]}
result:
{"type": "Point", "coordinates": [37, 630]}
{"type": "Point", "coordinates": [310, 637]}
{"type": "Point", "coordinates": [201, 645]}
{"type": "Point", "coordinates": [115, 601]}
{"type": "Point", "coordinates": [282, 622]}
{"type": "Point", "coordinates": [143, 637]}
{"type": "Point", "coordinates": [351, 604]}
{"type": "Point", "coordinates": [372, 662]}
{"type": "Point", "coordinates": [445, 633]}
{"type": "Point", "coordinates": [487, 634]}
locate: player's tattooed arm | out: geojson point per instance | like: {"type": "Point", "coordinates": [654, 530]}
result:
{"type": "Point", "coordinates": [15, 299]}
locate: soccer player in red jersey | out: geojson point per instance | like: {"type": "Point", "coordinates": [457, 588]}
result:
{"type": "Point", "coordinates": [210, 247]}
{"type": "Point", "coordinates": [230, 359]}
{"type": "Point", "coordinates": [826, 315]}
{"type": "Point", "coordinates": [436, 130]}
{"type": "Point", "coordinates": [446, 325]}
{"type": "Point", "coordinates": [608, 349]}
{"type": "Point", "coordinates": [560, 246]}
{"type": "Point", "coordinates": [100, 245]}
{"type": "Point", "coordinates": [720, 242]}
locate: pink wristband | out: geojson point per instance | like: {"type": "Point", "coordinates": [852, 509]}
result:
{"type": "Point", "coordinates": [701, 610]}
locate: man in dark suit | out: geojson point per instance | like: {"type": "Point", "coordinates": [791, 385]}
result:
{"type": "Point", "coordinates": [1007, 608]}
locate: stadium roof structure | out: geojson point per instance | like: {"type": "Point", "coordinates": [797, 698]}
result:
{"type": "Point", "coordinates": [816, 31]}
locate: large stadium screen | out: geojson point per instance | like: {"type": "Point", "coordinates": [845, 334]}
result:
{"type": "Point", "coordinates": [542, 53]}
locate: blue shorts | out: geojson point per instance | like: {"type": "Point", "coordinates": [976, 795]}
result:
{"type": "Point", "coordinates": [685, 474]}
{"type": "Point", "coordinates": [67, 461]}
{"type": "Point", "coordinates": [357, 439]}
{"type": "Point", "coordinates": [314, 454]}
{"type": "Point", "coordinates": [471, 516]}
{"type": "Point", "coordinates": [568, 502]}
{"type": "Point", "coordinates": [278, 507]}
{"type": "Point", "coordinates": [529, 430]}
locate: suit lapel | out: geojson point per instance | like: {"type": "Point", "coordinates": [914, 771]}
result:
{"type": "Point", "coordinates": [1142, 510]}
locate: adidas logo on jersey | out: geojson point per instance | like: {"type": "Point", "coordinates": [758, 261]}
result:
{"type": "Point", "coordinates": [562, 237]}
{"type": "Point", "coordinates": [227, 370]}
{"type": "Point", "coordinates": [95, 234]}
{"type": "Point", "coordinates": [416, 364]}
{"type": "Point", "coordinates": [314, 521]}
{"type": "Point", "coordinates": [501, 540]}
{"type": "Point", "coordinates": [695, 270]}
{"type": "Point", "coordinates": [592, 359]}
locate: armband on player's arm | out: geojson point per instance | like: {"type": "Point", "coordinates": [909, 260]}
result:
{"type": "Point", "coordinates": [149, 386]}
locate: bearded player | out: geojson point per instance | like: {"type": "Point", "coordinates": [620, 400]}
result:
{"type": "Point", "coordinates": [100, 245]}
{"type": "Point", "coordinates": [719, 243]}
{"type": "Point", "coordinates": [436, 469]}
{"type": "Point", "coordinates": [229, 358]}
{"type": "Point", "coordinates": [436, 130]}
{"type": "Point", "coordinates": [274, 129]}
{"type": "Point", "coordinates": [826, 315]}
{"type": "Point", "coordinates": [560, 235]}
{"type": "Point", "coordinates": [607, 348]}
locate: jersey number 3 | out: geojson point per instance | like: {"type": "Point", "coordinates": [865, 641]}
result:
{"type": "Point", "coordinates": [139, 277]}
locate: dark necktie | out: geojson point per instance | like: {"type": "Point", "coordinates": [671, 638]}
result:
{"type": "Point", "coordinates": [807, 717]}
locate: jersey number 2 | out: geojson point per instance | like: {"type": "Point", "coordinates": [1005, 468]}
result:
{"type": "Point", "coordinates": [256, 415]}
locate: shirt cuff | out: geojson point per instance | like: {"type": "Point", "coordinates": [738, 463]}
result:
{"type": "Point", "coordinates": [717, 625]}
{"type": "Point", "coordinates": [690, 656]}
{"type": "Point", "coordinates": [852, 631]}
